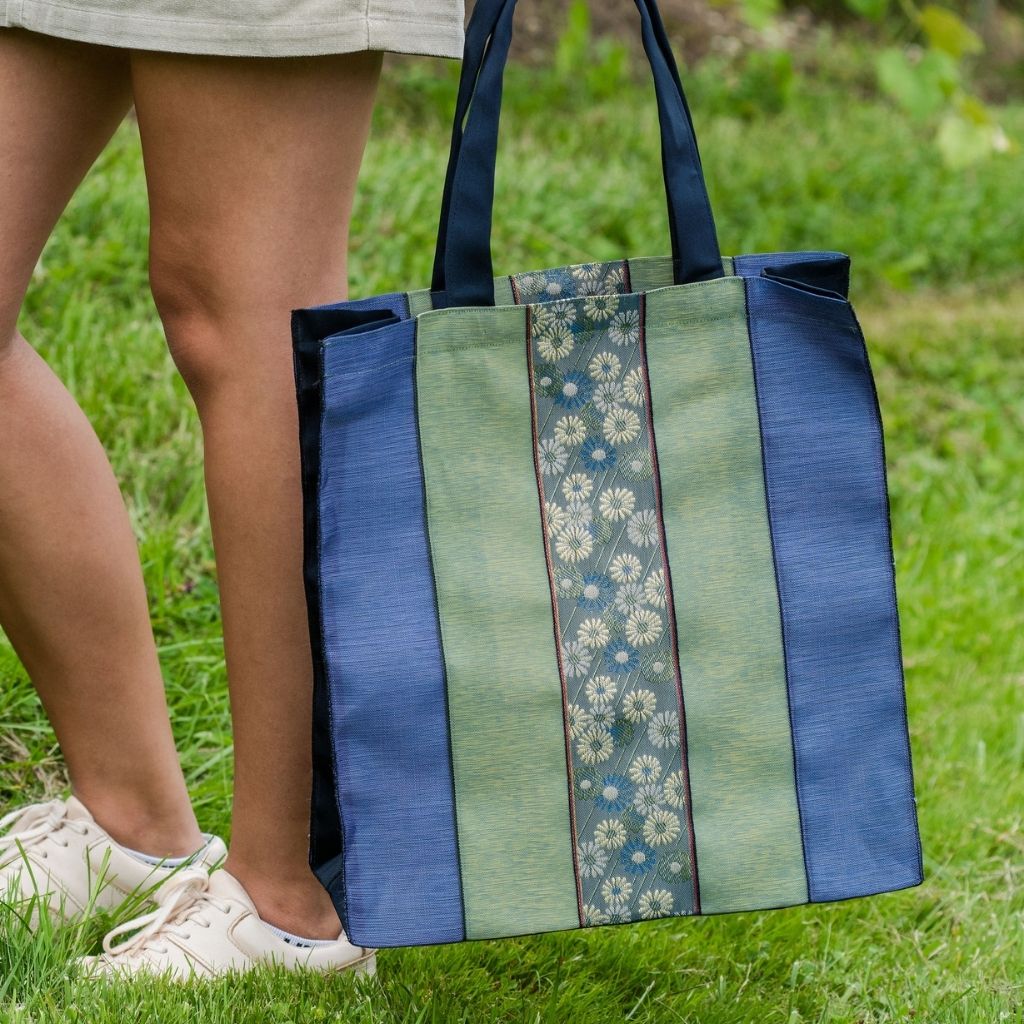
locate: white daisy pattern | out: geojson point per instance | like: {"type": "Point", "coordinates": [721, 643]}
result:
{"type": "Point", "coordinates": [594, 633]}
{"type": "Point", "coordinates": [643, 528]}
{"type": "Point", "coordinates": [611, 834]}
{"type": "Point", "coordinates": [621, 426]}
{"type": "Point", "coordinates": [575, 543]}
{"type": "Point", "coordinates": [554, 315]}
{"type": "Point", "coordinates": [605, 366]}
{"type": "Point", "coordinates": [661, 827]}
{"type": "Point", "coordinates": [571, 431]}
{"type": "Point", "coordinates": [579, 719]}
{"type": "Point", "coordinates": [656, 903]}
{"type": "Point", "coordinates": [635, 388]}
{"type": "Point", "coordinates": [655, 589]}
{"type": "Point", "coordinates": [557, 518]}
{"type": "Point", "coordinates": [644, 627]}
{"type": "Point", "coordinates": [601, 690]}
{"type": "Point", "coordinates": [617, 503]}
{"type": "Point", "coordinates": [592, 860]}
{"type": "Point", "coordinates": [676, 789]}
{"type": "Point", "coordinates": [648, 798]}
{"type": "Point", "coordinates": [577, 487]}
{"type": "Point", "coordinates": [625, 329]}
{"type": "Point", "coordinates": [595, 744]}
{"type": "Point", "coordinates": [630, 598]}
{"type": "Point", "coordinates": [645, 770]}
{"type": "Point", "coordinates": [626, 568]}
{"type": "Point", "coordinates": [594, 452]}
{"type": "Point", "coordinates": [556, 343]}
{"type": "Point", "coordinates": [609, 396]}
{"type": "Point", "coordinates": [553, 458]}
{"type": "Point", "coordinates": [663, 729]}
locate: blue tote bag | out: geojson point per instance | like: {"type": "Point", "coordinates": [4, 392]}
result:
{"type": "Point", "coordinates": [599, 574]}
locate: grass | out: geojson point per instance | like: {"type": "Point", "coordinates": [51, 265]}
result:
{"type": "Point", "coordinates": [938, 258]}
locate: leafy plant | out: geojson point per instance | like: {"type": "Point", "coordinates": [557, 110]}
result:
{"type": "Point", "coordinates": [925, 73]}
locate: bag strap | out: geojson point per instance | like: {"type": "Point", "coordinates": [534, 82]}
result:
{"type": "Point", "coordinates": [463, 265]}
{"type": "Point", "coordinates": [478, 34]}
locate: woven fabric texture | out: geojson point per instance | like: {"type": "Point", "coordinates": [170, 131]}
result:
{"type": "Point", "coordinates": [825, 468]}
{"type": "Point", "coordinates": [463, 581]}
{"type": "Point", "coordinates": [730, 641]}
{"type": "Point", "coordinates": [504, 693]}
{"type": "Point", "coordinates": [242, 28]}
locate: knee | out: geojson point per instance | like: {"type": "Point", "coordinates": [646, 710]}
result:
{"type": "Point", "coordinates": [193, 321]}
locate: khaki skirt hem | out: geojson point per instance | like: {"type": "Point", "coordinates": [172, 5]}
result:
{"type": "Point", "coordinates": [347, 33]}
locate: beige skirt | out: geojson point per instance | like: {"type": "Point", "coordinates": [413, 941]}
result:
{"type": "Point", "coordinates": [249, 28]}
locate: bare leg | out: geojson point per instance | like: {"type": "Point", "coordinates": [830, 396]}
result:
{"type": "Point", "coordinates": [252, 166]}
{"type": "Point", "coordinates": [72, 599]}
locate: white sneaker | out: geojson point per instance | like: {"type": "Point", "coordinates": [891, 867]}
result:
{"type": "Point", "coordinates": [206, 925]}
{"type": "Point", "coordinates": [57, 853]}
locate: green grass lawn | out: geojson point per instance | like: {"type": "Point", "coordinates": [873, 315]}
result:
{"type": "Point", "coordinates": [938, 281]}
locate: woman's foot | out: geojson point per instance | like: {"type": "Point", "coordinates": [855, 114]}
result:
{"type": "Point", "coordinates": [207, 925]}
{"type": "Point", "coordinates": [58, 855]}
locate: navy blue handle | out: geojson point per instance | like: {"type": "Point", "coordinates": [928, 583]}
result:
{"type": "Point", "coordinates": [463, 266]}
{"type": "Point", "coordinates": [478, 34]}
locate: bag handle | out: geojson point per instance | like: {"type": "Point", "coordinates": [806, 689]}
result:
{"type": "Point", "coordinates": [478, 34]}
{"type": "Point", "coordinates": [463, 264]}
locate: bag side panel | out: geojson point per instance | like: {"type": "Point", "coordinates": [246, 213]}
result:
{"type": "Point", "coordinates": [746, 820]}
{"type": "Point", "coordinates": [825, 466]}
{"type": "Point", "coordinates": [382, 650]}
{"type": "Point", "coordinates": [505, 691]}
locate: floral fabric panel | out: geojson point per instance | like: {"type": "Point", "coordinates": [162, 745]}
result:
{"type": "Point", "coordinates": [616, 624]}
{"type": "Point", "coordinates": [572, 282]}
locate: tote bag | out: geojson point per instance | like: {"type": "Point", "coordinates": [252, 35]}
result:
{"type": "Point", "coordinates": [599, 575]}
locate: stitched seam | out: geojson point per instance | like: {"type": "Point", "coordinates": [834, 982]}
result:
{"type": "Point", "coordinates": [684, 322]}
{"type": "Point", "coordinates": [322, 653]}
{"type": "Point", "coordinates": [270, 28]}
{"type": "Point", "coordinates": [671, 604]}
{"type": "Point", "coordinates": [440, 635]}
{"type": "Point", "coordinates": [769, 508]}
{"type": "Point", "coordinates": [555, 618]}
{"type": "Point", "coordinates": [895, 638]}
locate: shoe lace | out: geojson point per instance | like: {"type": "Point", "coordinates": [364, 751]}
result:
{"type": "Point", "coordinates": [183, 900]}
{"type": "Point", "coordinates": [28, 826]}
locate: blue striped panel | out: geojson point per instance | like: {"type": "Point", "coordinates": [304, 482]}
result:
{"type": "Point", "coordinates": [383, 651]}
{"type": "Point", "coordinates": [825, 468]}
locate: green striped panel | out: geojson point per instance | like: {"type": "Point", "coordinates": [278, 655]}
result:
{"type": "Point", "coordinates": [707, 429]}
{"type": "Point", "coordinates": [649, 272]}
{"type": "Point", "coordinates": [504, 686]}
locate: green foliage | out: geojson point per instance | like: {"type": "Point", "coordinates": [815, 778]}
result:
{"type": "Point", "coordinates": [872, 9]}
{"type": "Point", "coordinates": [764, 84]}
{"type": "Point", "coordinates": [598, 67]}
{"type": "Point", "coordinates": [948, 33]}
{"type": "Point", "coordinates": [931, 84]}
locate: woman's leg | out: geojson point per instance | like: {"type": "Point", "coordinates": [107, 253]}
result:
{"type": "Point", "coordinates": [72, 599]}
{"type": "Point", "coordinates": [252, 166]}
